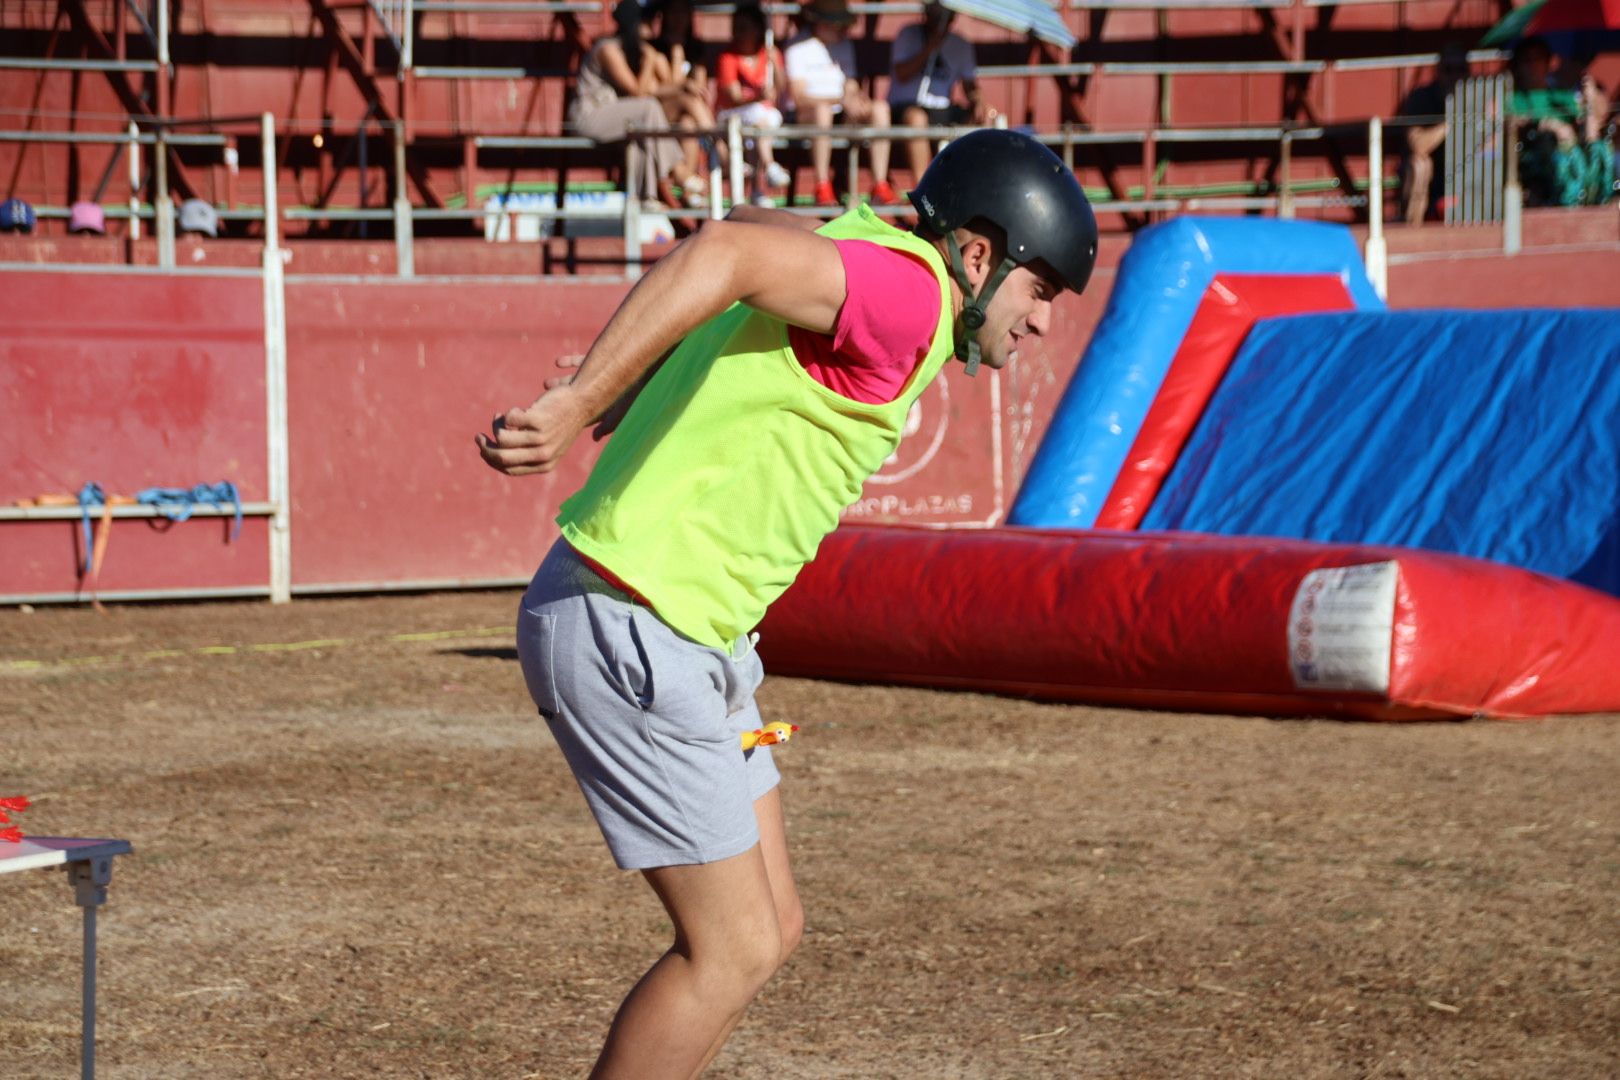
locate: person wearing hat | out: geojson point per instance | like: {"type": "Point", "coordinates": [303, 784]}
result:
{"type": "Point", "coordinates": [16, 216]}
{"type": "Point", "coordinates": [752, 381]}
{"type": "Point", "coordinates": [821, 75]}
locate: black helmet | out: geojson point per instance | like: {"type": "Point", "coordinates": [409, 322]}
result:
{"type": "Point", "coordinates": [1016, 183]}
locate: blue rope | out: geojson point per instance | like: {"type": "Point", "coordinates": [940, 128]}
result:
{"type": "Point", "coordinates": [173, 503]}
{"type": "Point", "coordinates": [90, 497]}
{"type": "Point", "coordinates": [176, 503]}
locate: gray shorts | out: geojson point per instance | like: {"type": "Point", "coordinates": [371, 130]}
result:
{"type": "Point", "coordinates": [649, 720]}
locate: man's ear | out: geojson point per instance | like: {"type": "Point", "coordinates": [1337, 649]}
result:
{"type": "Point", "coordinates": [976, 256]}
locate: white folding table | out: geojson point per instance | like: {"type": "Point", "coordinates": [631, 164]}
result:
{"type": "Point", "coordinates": [89, 866]}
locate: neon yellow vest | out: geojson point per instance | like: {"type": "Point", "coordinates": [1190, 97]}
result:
{"type": "Point", "coordinates": [733, 463]}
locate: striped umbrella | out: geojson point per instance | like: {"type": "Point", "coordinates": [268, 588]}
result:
{"type": "Point", "coordinates": [1569, 26]}
{"type": "Point", "coordinates": [1021, 16]}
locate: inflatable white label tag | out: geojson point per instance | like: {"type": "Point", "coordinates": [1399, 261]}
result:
{"type": "Point", "coordinates": [1339, 628]}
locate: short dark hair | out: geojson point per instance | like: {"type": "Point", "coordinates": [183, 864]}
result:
{"type": "Point", "coordinates": [1531, 45]}
{"type": "Point", "coordinates": [750, 13]}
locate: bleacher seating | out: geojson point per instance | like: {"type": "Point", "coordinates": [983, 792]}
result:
{"type": "Point", "coordinates": [1162, 101]}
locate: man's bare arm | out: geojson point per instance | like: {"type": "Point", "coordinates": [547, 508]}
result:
{"type": "Point", "coordinates": [788, 272]}
{"type": "Point", "coordinates": [750, 214]}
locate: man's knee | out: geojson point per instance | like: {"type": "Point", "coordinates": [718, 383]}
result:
{"type": "Point", "coordinates": [742, 967]}
{"type": "Point", "coordinates": [880, 114]}
{"type": "Point", "coordinates": [790, 924]}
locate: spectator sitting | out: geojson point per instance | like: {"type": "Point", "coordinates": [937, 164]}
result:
{"type": "Point", "coordinates": [749, 74]}
{"type": "Point", "coordinates": [618, 86]}
{"type": "Point", "coordinates": [683, 78]}
{"type": "Point", "coordinates": [1597, 103]}
{"type": "Point", "coordinates": [1564, 160]}
{"type": "Point", "coordinates": [821, 71]}
{"type": "Point", "coordinates": [1425, 142]}
{"type": "Point", "coordinates": [929, 62]}
{"type": "Point", "coordinates": [677, 40]}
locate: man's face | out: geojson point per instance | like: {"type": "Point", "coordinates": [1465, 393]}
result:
{"type": "Point", "coordinates": [830, 31]}
{"type": "Point", "coordinates": [1531, 71]}
{"type": "Point", "coordinates": [1020, 309]}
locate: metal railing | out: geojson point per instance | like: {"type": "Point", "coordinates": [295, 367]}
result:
{"type": "Point", "coordinates": [1477, 150]}
{"type": "Point", "coordinates": [1495, 201]}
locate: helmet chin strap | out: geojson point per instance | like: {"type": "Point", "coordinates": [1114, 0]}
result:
{"type": "Point", "coordinates": [973, 307]}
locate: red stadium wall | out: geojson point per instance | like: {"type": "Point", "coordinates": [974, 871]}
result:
{"type": "Point", "coordinates": [388, 381]}
{"type": "Point", "coordinates": [132, 381]}
{"type": "Point", "coordinates": [141, 379]}
{"type": "Point", "coordinates": [135, 380]}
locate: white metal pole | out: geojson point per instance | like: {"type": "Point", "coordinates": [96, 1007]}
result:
{"type": "Point", "coordinates": [163, 36]}
{"type": "Point", "coordinates": [134, 181]}
{"type": "Point", "coordinates": [1285, 192]}
{"type": "Point", "coordinates": [408, 36]}
{"type": "Point", "coordinates": [1377, 251]}
{"type": "Point", "coordinates": [734, 143]}
{"type": "Point", "coordinates": [275, 375]}
{"type": "Point", "coordinates": [632, 207]}
{"type": "Point", "coordinates": [404, 240]}
{"type": "Point", "coordinates": [1512, 196]}
{"type": "Point", "coordinates": [164, 206]}
{"type": "Point", "coordinates": [717, 182]}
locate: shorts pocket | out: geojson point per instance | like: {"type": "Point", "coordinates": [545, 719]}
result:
{"type": "Point", "coordinates": [683, 693]}
{"type": "Point", "coordinates": [536, 643]}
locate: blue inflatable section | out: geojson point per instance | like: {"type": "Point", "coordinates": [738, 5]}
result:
{"type": "Point", "coordinates": [1486, 433]}
{"type": "Point", "coordinates": [1161, 282]}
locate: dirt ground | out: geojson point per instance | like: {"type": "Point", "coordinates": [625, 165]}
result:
{"type": "Point", "coordinates": [364, 857]}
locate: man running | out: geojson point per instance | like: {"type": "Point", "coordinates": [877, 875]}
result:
{"type": "Point", "coordinates": [757, 375]}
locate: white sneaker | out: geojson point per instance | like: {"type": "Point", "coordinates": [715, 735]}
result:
{"type": "Point", "coordinates": [777, 176]}
{"type": "Point", "coordinates": [764, 200]}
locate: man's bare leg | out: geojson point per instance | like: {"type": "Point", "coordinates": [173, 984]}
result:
{"type": "Point", "coordinates": [727, 944]}
{"type": "Point", "coordinates": [821, 115]}
{"type": "Point", "coordinates": [880, 147]}
{"type": "Point", "coordinates": [1420, 176]}
{"type": "Point", "coordinates": [784, 893]}
{"type": "Point", "coordinates": [916, 149]}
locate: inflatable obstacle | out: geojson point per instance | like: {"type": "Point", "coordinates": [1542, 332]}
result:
{"type": "Point", "coordinates": [1192, 622]}
{"type": "Point", "coordinates": [1382, 515]}
{"type": "Point", "coordinates": [1487, 433]}
{"type": "Point", "coordinates": [1185, 297]}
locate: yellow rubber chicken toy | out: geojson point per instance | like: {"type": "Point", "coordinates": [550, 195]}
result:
{"type": "Point", "coordinates": [769, 735]}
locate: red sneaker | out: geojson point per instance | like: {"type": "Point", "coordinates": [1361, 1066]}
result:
{"type": "Point", "coordinates": [824, 193]}
{"type": "Point", "coordinates": [884, 195]}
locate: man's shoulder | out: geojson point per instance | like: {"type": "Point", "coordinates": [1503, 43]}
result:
{"type": "Point", "coordinates": [1425, 99]}
{"type": "Point", "coordinates": [805, 51]}
{"type": "Point", "coordinates": [959, 45]}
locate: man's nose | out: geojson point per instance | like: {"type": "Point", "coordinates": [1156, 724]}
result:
{"type": "Point", "coordinates": [1040, 320]}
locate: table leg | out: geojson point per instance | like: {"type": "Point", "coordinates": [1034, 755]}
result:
{"type": "Point", "coordinates": [87, 1054]}
{"type": "Point", "coordinates": [90, 880]}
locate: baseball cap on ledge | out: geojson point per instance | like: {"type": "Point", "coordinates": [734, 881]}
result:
{"type": "Point", "coordinates": [197, 216]}
{"type": "Point", "coordinates": [16, 216]}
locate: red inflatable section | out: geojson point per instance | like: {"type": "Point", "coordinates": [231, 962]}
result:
{"type": "Point", "coordinates": [1194, 622]}
{"type": "Point", "coordinates": [1230, 306]}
